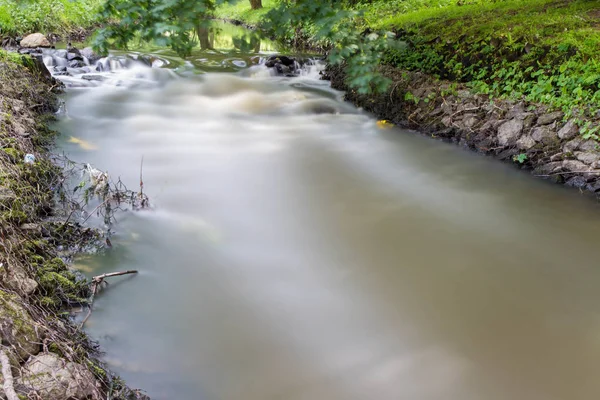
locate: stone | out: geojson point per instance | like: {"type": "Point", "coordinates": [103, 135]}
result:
{"type": "Point", "coordinates": [470, 120]}
{"type": "Point", "coordinates": [525, 142]}
{"type": "Point", "coordinates": [568, 131]}
{"type": "Point", "coordinates": [576, 182]}
{"type": "Point", "coordinates": [98, 78]}
{"type": "Point", "coordinates": [509, 132]}
{"type": "Point", "coordinates": [589, 145]}
{"type": "Point", "coordinates": [90, 54]}
{"type": "Point", "coordinates": [593, 187]}
{"type": "Point", "coordinates": [587, 157]}
{"type": "Point", "coordinates": [547, 119]}
{"type": "Point", "coordinates": [35, 40]}
{"type": "Point", "coordinates": [53, 378]}
{"type": "Point", "coordinates": [572, 145]}
{"type": "Point", "coordinates": [575, 166]}
{"type": "Point", "coordinates": [548, 168]}
{"type": "Point", "coordinates": [543, 134]}
{"type": "Point", "coordinates": [557, 157]}
{"type": "Point", "coordinates": [17, 328]}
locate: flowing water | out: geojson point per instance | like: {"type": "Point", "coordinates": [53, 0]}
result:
{"type": "Point", "coordinates": [297, 251]}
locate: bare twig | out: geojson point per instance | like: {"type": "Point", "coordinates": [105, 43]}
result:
{"type": "Point", "coordinates": [142, 177]}
{"type": "Point", "coordinates": [9, 389]}
{"type": "Point", "coordinates": [95, 284]}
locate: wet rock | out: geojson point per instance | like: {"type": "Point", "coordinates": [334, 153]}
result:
{"type": "Point", "coordinates": [17, 328]}
{"type": "Point", "coordinates": [587, 157]}
{"type": "Point", "coordinates": [76, 64]}
{"type": "Point", "coordinates": [91, 55]}
{"type": "Point", "coordinates": [98, 78]}
{"type": "Point", "coordinates": [547, 119]}
{"type": "Point", "coordinates": [568, 131]}
{"type": "Point", "coordinates": [509, 132]}
{"type": "Point", "coordinates": [577, 182]}
{"type": "Point", "coordinates": [35, 40]}
{"type": "Point", "coordinates": [74, 56]}
{"type": "Point", "coordinates": [543, 134]}
{"type": "Point", "coordinates": [525, 142]}
{"type": "Point", "coordinates": [279, 59]}
{"type": "Point", "coordinates": [593, 187]}
{"type": "Point", "coordinates": [53, 378]}
{"type": "Point", "coordinates": [548, 168]}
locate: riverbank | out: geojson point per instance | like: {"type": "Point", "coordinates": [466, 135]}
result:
{"type": "Point", "coordinates": [513, 79]}
{"type": "Point", "coordinates": [50, 356]}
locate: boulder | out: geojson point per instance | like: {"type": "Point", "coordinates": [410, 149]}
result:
{"type": "Point", "coordinates": [525, 142]}
{"type": "Point", "coordinates": [577, 182]}
{"type": "Point", "coordinates": [53, 378]}
{"type": "Point", "coordinates": [572, 145]}
{"type": "Point", "coordinates": [543, 134]}
{"type": "Point", "coordinates": [91, 55]}
{"type": "Point", "coordinates": [575, 166]}
{"type": "Point", "coordinates": [547, 119]}
{"type": "Point", "coordinates": [568, 131]}
{"type": "Point", "coordinates": [35, 40]}
{"type": "Point", "coordinates": [589, 145]}
{"type": "Point", "coordinates": [509, 132]}
{"type": "Point", "coordinates": [17, 328]}
{"type": "Point", "coordinates": [587, 157]}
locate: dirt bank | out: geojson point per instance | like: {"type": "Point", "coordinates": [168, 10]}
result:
{"type": "Point", "coordinates": [50, 357]}
{"type": "Point", "coordinates": [522, 133]}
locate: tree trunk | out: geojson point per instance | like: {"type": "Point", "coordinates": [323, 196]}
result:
{"type": "Point", "coordinates": [256, 4]}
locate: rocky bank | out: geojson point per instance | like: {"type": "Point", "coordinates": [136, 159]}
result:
{"type": "Point", "coordinates": [528, 135]}
{"type": "Point", "coordinates": [50, 358]}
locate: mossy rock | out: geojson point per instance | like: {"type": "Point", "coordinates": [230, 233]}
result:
{"type": "Point", "coordinates": [17, 327]}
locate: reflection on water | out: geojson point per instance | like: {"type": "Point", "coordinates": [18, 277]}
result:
{"type": "Point", "coordinates": [296, 251]}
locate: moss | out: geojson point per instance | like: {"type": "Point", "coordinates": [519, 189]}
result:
{"type": "Point", "coordinates": [97, 370]}
{"type": "Point", "coordinates": [13, 217]}
{"type": "Point", "coordinates": [14, 155]}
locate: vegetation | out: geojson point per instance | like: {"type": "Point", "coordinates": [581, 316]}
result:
{"type": "Point", "coordinates": [543, 51]}
{"type": "Point", "coordinates": [19, 17]}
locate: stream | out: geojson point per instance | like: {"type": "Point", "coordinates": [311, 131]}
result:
{"type": "Point", "coordinates": [296, 250]}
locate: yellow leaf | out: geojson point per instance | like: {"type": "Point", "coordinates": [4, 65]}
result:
{"type": "Point", "coordinates": [383, 124]}
{"type": "Point", "coordinates": [82, 143]}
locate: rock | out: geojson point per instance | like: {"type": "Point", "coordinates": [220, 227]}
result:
{"type": "Point", "coordinates": [470, 120]}
{"type": "Point", "coordinates": [593, 187]}
{"type": "Point", "coordinates": [76, 64]}
{"type": "Point", "coordinates": [548, 168]}
{"type": "Point", "coordinates": [525, 142]}
{"type": "Point", "coordinates": [577, 182]}
{"type": "Point", "coordinates": [589, 145]}
{"type": "Point", "coordinates": [509, 132]}
{"type": "Point", "coordinates": [547, 119]}
{"type": "Point", "coordinates": [557, 157]}
{"type": "Point", "coordinates": [568, 131]}
{"type": "Point", "coordinates": [17, 328]}
{"type": "Point", "coordinates": [543, 134]}
{"type": "Point", "coordinates": [74, 56]}
{"type": "Point", "coordinates": [575, 166]}
{"type": "Point", "coordinates": [587, 157]}
{"type": "Point", "coordinates": [53, 378]}
{"type": "Point", "coordinates": [278, 59]}
{"type": "Point", "coordinates": [35, 40]}
{"type": "Point", "coordinates": [98, 78]}
{"type": "Point", "coordinates": [572, 145]}
{"type": "Point", "coordinates": [91, 55]}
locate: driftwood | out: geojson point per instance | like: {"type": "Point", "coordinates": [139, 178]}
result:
{"type": "Point", "coordinates": [95, 284]}
{"type": "Point", "coordinates": [9, 389]}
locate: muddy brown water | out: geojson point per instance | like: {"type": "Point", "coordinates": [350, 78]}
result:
{"type": "Point", "coordinates": [301, 255]}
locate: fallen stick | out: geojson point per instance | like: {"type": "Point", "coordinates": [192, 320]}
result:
{"type": "Point", "coordinates": [96, 282]}
{"type": "Point", "coordinates": [9, 389]}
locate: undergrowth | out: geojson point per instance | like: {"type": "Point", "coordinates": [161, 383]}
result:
{"type": "Point", "coordinates": [46, 16]}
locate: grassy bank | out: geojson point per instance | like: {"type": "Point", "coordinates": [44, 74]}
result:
{"type": "Point", "coordinates": [46, 16]}
{"type": "Point", "coordinates": [542, 51]}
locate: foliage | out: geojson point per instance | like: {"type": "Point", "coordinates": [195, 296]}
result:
{"type": "Point", "coordinates": [57, 16]}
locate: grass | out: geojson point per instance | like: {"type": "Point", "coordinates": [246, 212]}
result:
{"type": "Point", "coordinates": [46, 16]}
{"type": "Point", "coordinates": [240, 11]}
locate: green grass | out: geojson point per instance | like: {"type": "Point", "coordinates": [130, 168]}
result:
{"type": "Point", "coordinates": [20, 17]}
{"type": "Point", "coordinates": [240, 11]}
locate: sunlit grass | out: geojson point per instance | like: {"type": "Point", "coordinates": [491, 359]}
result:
{"type": "Point", "coordinates": [56, 16]}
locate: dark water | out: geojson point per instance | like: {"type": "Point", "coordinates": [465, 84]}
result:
{"type": "Point", "coordinates": [294, 254]}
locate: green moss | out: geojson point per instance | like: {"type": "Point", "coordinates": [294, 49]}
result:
{"type": "Point", "coordinates": [14, 154]}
